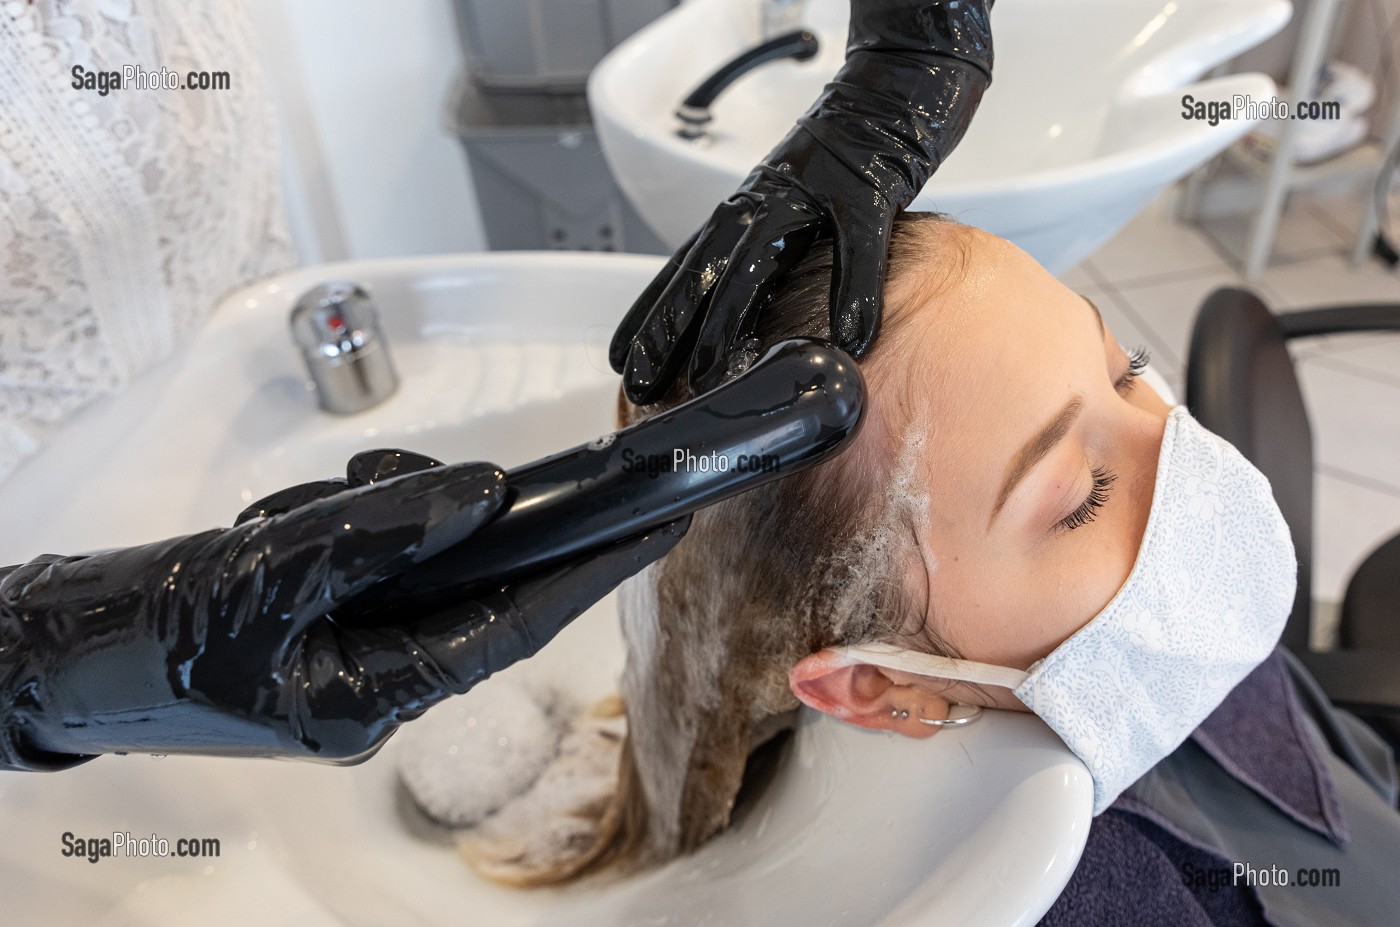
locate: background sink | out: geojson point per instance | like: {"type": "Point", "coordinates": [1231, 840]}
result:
{"type": "Point", "coordinates": [503, 358]}
{"type": "Point", "coordinates": [1076, 134]}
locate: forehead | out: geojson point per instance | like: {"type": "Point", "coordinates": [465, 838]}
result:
{"type": "Point", "coordinates": [993, 356]}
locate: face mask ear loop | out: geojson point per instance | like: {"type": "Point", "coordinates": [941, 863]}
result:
{"type": "Point", "coordinates": [927, 664]}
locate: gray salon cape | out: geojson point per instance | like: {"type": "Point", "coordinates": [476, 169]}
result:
{"type": "Point", "coordinates": [1276, 786]}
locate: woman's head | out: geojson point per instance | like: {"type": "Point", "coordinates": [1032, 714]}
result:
{"type": "Point", "coordinates": [1037, 449]}
{"type": "Point", "coordinates": [990, 506]}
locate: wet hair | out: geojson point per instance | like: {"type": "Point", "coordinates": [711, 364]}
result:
{"type": "Point", "coordinates": [814, 560]}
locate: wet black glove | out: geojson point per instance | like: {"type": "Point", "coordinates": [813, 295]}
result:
{"type": "Point", "coordinates": [234, 641]}
{"type": "Point", "coordinates": [915, 71]}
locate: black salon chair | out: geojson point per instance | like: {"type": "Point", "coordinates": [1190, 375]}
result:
{"type": "Point", "coordinates": [1240, 383]}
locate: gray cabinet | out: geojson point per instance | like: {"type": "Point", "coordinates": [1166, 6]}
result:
{"type": "Point", "coordinates": [545, 44]}
{"type": "Point", "coordinates": [540, 176]}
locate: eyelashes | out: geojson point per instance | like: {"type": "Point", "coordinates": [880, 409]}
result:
{"type": "Point", "coordinates": [1103, 477]}
{"type": "Point", "coordinates": [1088, 510]}
{"type": "Point", "coordinates": [1137, 363]}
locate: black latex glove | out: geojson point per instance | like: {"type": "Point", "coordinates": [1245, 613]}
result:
{"type": "Point", "coordinates": [232, 641]}
{"type": "Point", "coordinates": [915, 71]}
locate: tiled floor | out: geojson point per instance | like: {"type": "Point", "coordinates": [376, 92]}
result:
{"type": "Point", "coordinates": [1150, 280]}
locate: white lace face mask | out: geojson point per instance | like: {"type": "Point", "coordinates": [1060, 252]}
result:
{"type": "Point", "coordinates": [1205, 603]}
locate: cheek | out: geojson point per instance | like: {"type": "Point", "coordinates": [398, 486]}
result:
{"type": "Point", "coordinates": [1149, 400]}
{"type": "Point", "coordinates": [994, 608]}
{"type": "Point", "coordinates": [1090, 583]}
{"type": "Point", "coordinates": [985, 606]}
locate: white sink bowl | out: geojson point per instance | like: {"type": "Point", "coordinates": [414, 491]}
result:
{"type": "Point", "coordinates": [1081, 127]}
{"type": "Point", "coordinates": [503, 358]}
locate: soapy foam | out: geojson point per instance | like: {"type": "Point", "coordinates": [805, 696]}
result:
{"type": "Point", "coordinates": [469, 756]}
{"type": "Point", "coordinates": [871, 562]}
{"type": "Point", "coordinates": [557, 815]}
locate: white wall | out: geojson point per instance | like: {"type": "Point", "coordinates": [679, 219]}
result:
{"type": "Point", "coordinates": [361, 88]}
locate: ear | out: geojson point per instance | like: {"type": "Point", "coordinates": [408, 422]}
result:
{"type": "Point", "coordinates": [864, 695]}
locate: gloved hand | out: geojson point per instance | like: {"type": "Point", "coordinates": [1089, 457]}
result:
{"type": "Point", "coordinates": [233, 641]}
{"type": "Point", "coordinates": [915, 72]}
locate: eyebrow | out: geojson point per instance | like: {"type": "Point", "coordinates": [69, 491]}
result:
{"type": "Point", "coordinates": [1036, 448]}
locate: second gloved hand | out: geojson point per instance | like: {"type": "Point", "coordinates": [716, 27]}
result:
{"type": "Point", "coordinates": [915, 72]}
{"type": "Point", "coordinates": [237, 641]}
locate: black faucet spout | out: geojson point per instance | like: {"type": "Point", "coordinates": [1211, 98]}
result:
{"type": "Point", "coordinates": [694, 111]}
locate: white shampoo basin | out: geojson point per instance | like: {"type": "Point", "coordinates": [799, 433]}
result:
{"type": "Point", "coordinates": [503, 358]}
{"type": "Point", "coordinates": [1082, 125]}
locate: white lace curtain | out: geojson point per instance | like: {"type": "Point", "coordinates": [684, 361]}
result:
{"type": "Point", "coordinates": [124, 217]}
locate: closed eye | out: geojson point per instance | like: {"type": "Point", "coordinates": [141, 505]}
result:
{"type": "Point", "coordinates": [1088, 509]}
{"type": "Point", "coordinates": [1137, 363]}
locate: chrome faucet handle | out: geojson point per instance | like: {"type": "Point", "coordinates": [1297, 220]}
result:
{"type": "Point", "coordinates": [337, 329]}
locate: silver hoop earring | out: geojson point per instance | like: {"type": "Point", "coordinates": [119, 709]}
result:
{"type": "Point", "coordinates": [953, 722]}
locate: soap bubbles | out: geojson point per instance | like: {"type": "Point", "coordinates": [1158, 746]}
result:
{"type": "Point", "coordinates": [469, 756]}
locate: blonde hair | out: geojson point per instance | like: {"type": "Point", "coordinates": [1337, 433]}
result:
{"type": "Point", "coordinates": [761, 580]}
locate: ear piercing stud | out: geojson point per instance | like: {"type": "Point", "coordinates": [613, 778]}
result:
{"type": "Point", "coordinates": [896, 713]}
